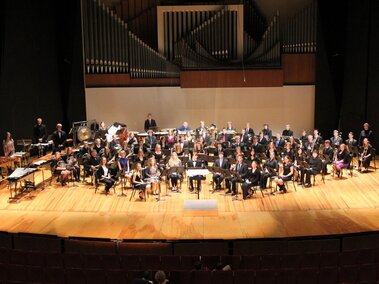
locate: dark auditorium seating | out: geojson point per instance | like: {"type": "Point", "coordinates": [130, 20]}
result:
{"type": "Point", "coordinates": [145, 248]}
{"type": "Point", "coordinates": [27, 242]}
{"type": "Point", "coordinates": [89, 247]}
{"type": "Point", "coordinates": [208, 248]}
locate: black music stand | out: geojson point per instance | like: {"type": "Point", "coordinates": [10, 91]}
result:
{"type": "Point", "coordinates": [238, 179]}
{"type": "Point", "coordinates": [216, 170]}
{"type": "Point", "coordinates": [164, 173]}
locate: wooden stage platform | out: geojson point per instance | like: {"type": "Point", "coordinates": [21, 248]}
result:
{"type": "Point", "coordinates": [339, 206]}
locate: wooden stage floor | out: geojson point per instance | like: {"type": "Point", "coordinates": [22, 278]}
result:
{"type": "Point", "coordinates": [346, 205]}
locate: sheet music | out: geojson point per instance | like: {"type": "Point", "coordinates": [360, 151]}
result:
{"type": "Point", "coordinates": [21, 172]}
{"type": "Point", "coordinates": [197, 172]}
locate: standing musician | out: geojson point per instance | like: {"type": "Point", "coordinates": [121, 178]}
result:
{"type": "Point", "coordinates": [174, 161]}
{"type": "Point", "coordinates": [315, 166]}
{"type": "Point", "coordinates": [336, 140]}
{"type": "Point", "coordinates": [59, 138]}
{"type": "Point", "coordinates": [152, 173]}
{"type": "Point", "coordinates": [230, 130]}
{"type": "Point", "coordinates": [150, 123]}
{"type": "Point", "coordinates": [138, 182]}
{"type": "Point", "coordinates": [103, 174]}
{"type": "Point", "coordinates": [195, 163]}
{"type": "Point", "coordinates": [272, 164]}
{"type": "Point", "coordinates": [267, 133]}
{"type": "Point", "coordinates": [350, 141]}
{"type": "Point", "coordinates": [249, 130]}
{"type": "Point", "coordinates": [286, 172]}
{"type": "Point", "coordinates": [59, 167]}
{"type": "Point", "coordinates": [365, 157]}
{"type": "Point", "coordinates": [221, 163]}
{"type": "Point", "coordinates": [366, 133]}
{"type": "Point", "coordinates": [39, 132]}
{"type": "Point", "coordinates": [287, 132]}
{"type": "Point", "coordinates": [240, 168]}
{"type": "Point", "coordinates": [253, 179]}
{"type": "Point", "coordinates": [341, 160]}
{"type": "Point", "coordinates": [310, 144]}
{"type": "Point", "coordinates": [329, 152]}
{"type": "Point", "coordinates": [72, 163]}
{"type": "Point", "coordinates": [8, 145]}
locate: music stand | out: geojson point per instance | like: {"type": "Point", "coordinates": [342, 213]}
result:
{"type": "Point", "coordinates": [165, 174]}
{"type": "Point", "coordinates": [238, 179]}
{"type": "Point", "coordinates": [216, 170]}
{"type": "Point", "coordinates": [178, 170]}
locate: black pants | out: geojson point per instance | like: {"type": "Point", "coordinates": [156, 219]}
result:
{"type": "Point", "coordinates": [245, 188]}
{"type": "Point", "coordinates": [174, 179]}
{"type": "Point", "coordinates": [198, 181]}
{"type": "Point", "coordinates": [264, 179]}
{"type": "Point", "coordinates": [233, 182]}
{"type": "Point", "coordinates": [217, 179]}
{"type": "Point", "coordinates": [108, 183]}
{"type": "Point", "coordinates": [308, 174]}
{"type": "Point", "coordinates": [324, 167]}
{"type": "Point", "coordinates": [365, 163]}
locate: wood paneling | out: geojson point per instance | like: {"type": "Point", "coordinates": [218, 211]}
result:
{"type": "Point", "coordinates": [124, 80]}
{"type": "Point", "coordinates": [232, 78]}
{"type": "Point", "coordinates": [299, 68]}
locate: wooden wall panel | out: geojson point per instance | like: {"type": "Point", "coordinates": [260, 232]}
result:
{"type": "Point", "coordinates": [231, 78]}
{"type": "Point", "coordinates": [124, 80]}
{"type": "Point", "coordinates": [299, 68]}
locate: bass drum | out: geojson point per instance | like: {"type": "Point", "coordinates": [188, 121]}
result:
{"type": "Point", "coordinates": [84, 133]}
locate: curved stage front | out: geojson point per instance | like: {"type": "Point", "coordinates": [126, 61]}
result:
{"type": "Point", "coordinates": [340, 206]}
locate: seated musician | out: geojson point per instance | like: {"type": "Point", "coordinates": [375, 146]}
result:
{"type": "Point", "coordinates": [158, 154]}
{"type": "Point", "coordinates": [310, 144]}
{"type": "Point", "coordinates": [366, 133]}
{"type": "Point", "coordinates": [103, 175]}
{"type": "Point", "coordinates": [201, 128]}
{"type": "Point", "coordinates": [253, 179]}
{"type": "Point", "coordinates": [300, 158]}
{"type": "Point", "coordinates": [91, 163]}
{"type": "Point", "coordinates": [287, 132]}
{"type": "Point", "coordinates": [152, 173]}
{"type": "Point", "coordinates": [174, 161]}
{"type": "Point", "coordinates": [85, 150]}
{"type": "Point", "coordinates": [336, 140]}
{"type": "Point", "coordinates": [8, 145]}
{"type": "Point", "coordinates": [365, 157]}
{"type": "Point", "coordinates": [304, 137]}
{"type": "Point", "coordinates": [341, 160]}
{"type": "Point", "coordinates": [254, 157]}
{"type": "Point", "coordinates": [59, 138]}
{"type": "Point", "coordinates": [286, 172]}
{"type": "Point", "coordinates": [350, 141]}
{"type": "Point", "coordinates": [150, 123]}
{"type": "Point", "coordinates": [72, 163]}
{"type": "Point", "coordinates": [195, 163]}
{"type": "Point", "coordinates": [141, 146]}
{"type": "Point", "coordinates": [237, 142]}
{"type": "Point", "coordinates": [115, 145]}
{"type": "Point", "coordinates": [267, 133]}
{"type": "Point", "coordinates": [293, 143]}
{"type": "Point", "coordinates": [223, 137]}
{"type": "Point", "coordinates": [271, 169]}
{"type": "Point", "coordinates": [238, 152]}
{"type": "Point", "coordinates": [262, 139]}
{"type": "Point", "coordinates": [241, 169]}
{"type": "Point", "coordinates": [140, 158]}
{"type": "Point", "coordinates": [315, 167]}
{"type": "Point", "coordinates": [288, 151]}
{"type": "Point", "coordinates": [131, 140]}
{"type": "Point", "coordinates": [138, 182]}
{"type": "Point", "coordinates": [59, 167]}
{"type": "Point", "coordinates": [271, 149]}
{"type": "Point", "coordinates": [39, 132]}
{"type": "Point", "coordinates": [97, 146]}
{"type": "Point", "coordinates": [219, 149]}
{"type": "Point", "coordinates": [279, 140]}
{"type": "Point", "coordinates": [258, 148]}
{"type": "Point", "coordinates": [171, 137]}
{"type": "Point", "coordinates": [327, 152]}
{"type": "Point", "coordinates": [249, 130]}
{"type": "Point", "coordinates": [163, 142]}
{"type": "Point", "coordinates": [185, 127]}
{"type": "Point", "coordinates": [123, 164]}
{"type": "Point", "coordinates": [205, 138]}
{"type": "Point", "coordinates": [198, 147]}
{"type": "Point", "coordinates": [178, 148]}
{"type": "Point", "coordinates": [245, 139]}
{"type": "Point", "coordinates": [230, 130]}
{"type": "Point", "coordinates": [150, 139]}
{"type": "Point", "coordinates": [221, 163]}
{"type": "Point", "coordinates": [318, 140]}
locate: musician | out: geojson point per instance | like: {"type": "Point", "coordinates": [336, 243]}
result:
{"type": "Point", "coordinates": [138, 182]}
{"type": "Point", "coordinates": [184, 127]}
{"type": "Point", "coordinates": [317, 139]}
{"type": "Point", "coordinates": [221, 163]}
{"type": "Point", "coordinates": [336, 140]}
{"type": "Point", "coordinates": [271, 168]}
{"type": "Point", "coordinates": [327, 152]}
{"type": "Point", "coordinates": [123, 164]}
{"type": "Point", "coordinates": [293, 143]}
{"type": "Point", "coordinates": [223, 137]}
{"type": "Point", "coordinates": [279, 141]}
{"type": "Point", "coordinates": [174, 161]}
{"type": "Point", "coordinates": [288, 151]}
{"type": "Point", "coordinates": [238, 151]}
{"type": "Point", "coordinates": [350, 141]}
{"type": "Point", "coordinates": [163, 142]}
{"type": "Point", "coordinates": [108, 155]}
{"type": "Point", "coordinates": [150, 139]}
{"type": "Point", "coordinates": [271, 149]}
{"type": "Point", "coordinates": [249, 131]}
{"type": "Point", "coordinates": [84, 150]}
{"type": "Point", "coordinates": [171, 137]}
{"type": "Point", "coordinates": [304, 137]}
{"type": "Point", "coordinates": [241, 169]}
{"type": "Point", "coordinates": [310, 144]}
{"type": "Point", "coordinates": [366, 133]}
{"type": "Point", "coordinates": [195, 163]}
{"type": "Point", "coordinates": [314, 168]}
{"type": "Point", "coordinates": [237, 142]}
{"type": "Point", "coordinates": [258, 148]}
{"type": "Point", "coordinates": [286, 172]}
{"type": "Point", "coordinates": [140, 158]}
{"type": "Point", "coordinates": [253, 157]}
{"type": "Point", "coordinates": [342, 159]}
{"type": "Point", "coordinates": [262, 139]}
{"type": "Point", "coordinates": [287, 132]}
{"type": "Point", "coordinates": [115, 145]}
{"type": "Point", "coordinates": [158, 154]}
{"type": "Point", "coordinates": [150, 123]}
{"type": "Point", "coordinates": [219, 149]}
{"type": "Point", "coordinates": [205, 138]}
{"type": "Point", "coordinates": [201, 128]}
{"type": "Point", "coordinates": [39, 132]}
{"type": "Point", "coordinates": [59, 167]}
{"type": "Point", "coordinates": [91, 164]}
{"type": "Point", "coordinates": [101, 133]}
{"type": "Point", "coordinates": [230, 130]}
{"type": "Point", "coordinates": [141, 146]}
{"type": "Point", "coordinates": [198, 147]}
{"type": "Point", "coordinates": [97, 146]}
{"type": "Point", "coordinates": [300, 157]}
{"type": "Point", "coordinates": [245, 138]}
{"type": "Point", "coordinates": [178, 148]}
{"type": "Point", "coordinates": [59, 138]}
{"type": "Point", "coordinates": [253, 179]}
{"type": "Point", "coordinates": [103, 174]}
{"type": "Point", "coordinates": [8, 145]}
{"type": "Point", "coordinates": [72, 163]}
{"type": "Point", "coordinates": [365, 157]}
{"type": "Point", "coordinates": [267, 133]}
{"type": "Point", "coordinates": [153, 175]}
{"type": "Point", "coordinates": [132, 140]}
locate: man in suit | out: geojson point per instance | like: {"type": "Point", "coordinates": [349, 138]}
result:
{"type": "Point", "coordinates": [195, 163]}
{"type": "Point", "coordinates": [59, 138]}
{"type": "Point", "coordinates": [242, 170]}
{"type": "Point", "coordinates": [150, 139]}
{"type": "Point", "coordinates": [258, 148]}
{"type": "Point", "coordinates": [287, 132]}
{"type": "Point", "coordinates": [150, 123]}
{"type": "Point", "coordinates": [249, 131]}
{"type": "Point", "coordinates": [184, 127]}
{"type": "Point", "coordinates": [221, 163]}
{"type": "Point", "coordinates": [39, 132]}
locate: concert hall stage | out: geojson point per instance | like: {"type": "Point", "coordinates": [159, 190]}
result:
{"type": "Point", "coordinates": [339, 206]}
